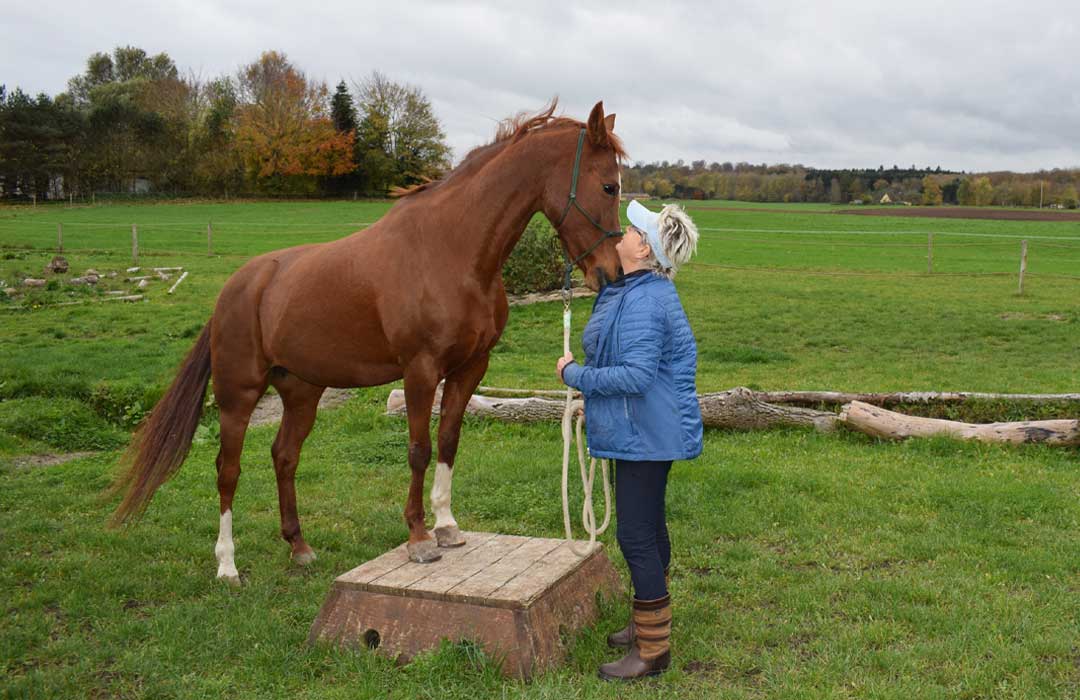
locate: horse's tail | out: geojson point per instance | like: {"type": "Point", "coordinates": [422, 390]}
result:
{"type": "Point", "coordinates": [161, 444]}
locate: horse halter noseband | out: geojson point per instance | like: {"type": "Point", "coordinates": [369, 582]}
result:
{"type": "Point", "coordinates": [572, 202]}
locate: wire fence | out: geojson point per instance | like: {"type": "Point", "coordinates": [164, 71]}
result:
{"type": "Point", "coordinates": [810, 252]}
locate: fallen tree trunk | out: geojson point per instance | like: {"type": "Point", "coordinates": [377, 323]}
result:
{"type": "Point", "coordinates": [741, 409]}
{"type": "Point", "coordinates": [883, 423]}
{"type": "Point", "coordinates": [838, 398]}
{"type": "Point", "coordinates": [899, 397]}
{"type": "Point", "coordinates": [736, 409]}
{"type": "Point", "coordinates": [531, 409]}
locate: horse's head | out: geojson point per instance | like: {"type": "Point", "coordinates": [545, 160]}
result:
{"type": "Point", "coordinates": [588, 220]}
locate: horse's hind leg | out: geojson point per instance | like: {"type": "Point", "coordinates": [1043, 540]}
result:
{"type": "Point", "coordinates": [421, 378]}
{"type": "Point", "coordinates": [460, 384]}
{"type": "Point", "coordinates": [236, 404]}
{"type": "Point", "coordinates": [301, 403]}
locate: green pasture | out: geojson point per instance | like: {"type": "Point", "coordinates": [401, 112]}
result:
{"type": "Point", "coordinates": [806, 565]}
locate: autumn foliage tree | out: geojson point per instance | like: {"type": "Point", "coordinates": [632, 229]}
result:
{"type": "Point", "coordinates": [283, 130]}
{"type": "Point", "coordinates": [931, 195]}
{"type": "Point", "coordinates": [400, 140]}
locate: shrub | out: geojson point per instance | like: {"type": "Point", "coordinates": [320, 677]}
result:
{"type": "Point", "coordinates": [124, 403]}
{"type": "Point", "coordinates": [65, 424]}
{"type": "Point", "coordinates": [536, 264]}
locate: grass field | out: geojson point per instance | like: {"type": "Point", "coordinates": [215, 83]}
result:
{"type": "Point", "coordinates": [805, 565]}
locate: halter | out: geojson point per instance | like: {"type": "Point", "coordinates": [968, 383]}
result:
{"type": "Point", "coordinates": [572, 202]}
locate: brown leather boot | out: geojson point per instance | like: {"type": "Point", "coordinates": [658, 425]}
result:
{"type": "Point", "coordinates": [651, 650]}
{"type": "Point", "coordinates": [624, 638]}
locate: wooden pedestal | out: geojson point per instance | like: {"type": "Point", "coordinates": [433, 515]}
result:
{"type": "Point", "coordinates": [519, 597]}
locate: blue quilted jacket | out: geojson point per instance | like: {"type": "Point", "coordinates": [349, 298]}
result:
{"type": "Point", "coordinates": [638, 381]}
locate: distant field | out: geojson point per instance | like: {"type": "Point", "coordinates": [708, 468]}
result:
{"type": "Point", "coordinates": [805, 565]}
{"type": "Point", "coordinates": [993, 213]}
{"type": "Point", "coordinates": [785, 298]}
{"type": "Point", "coordinates": [779, 299]}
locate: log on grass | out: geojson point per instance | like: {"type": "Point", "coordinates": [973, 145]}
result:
{"type": "Point", "coordinates": [531, 409]}
{"type": "Point", "coordinates": [883, 423]}
{"type": "Point", "coordinates": [735, 409]}
{"type": "Point", "coordinates": [838, 398]}
{"type": "Point", "coordinates": [897, 397]}
{"type": "Point", "coordinates": [741, 409]}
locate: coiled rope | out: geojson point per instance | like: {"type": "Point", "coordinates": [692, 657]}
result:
{"type": "Point", "coordinates": [588, 515]}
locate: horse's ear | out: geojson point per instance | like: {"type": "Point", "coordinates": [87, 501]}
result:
{"type": "Point", "coordinates": [609, 122]}
{"type": "Point", "coordinates": [597, 126]}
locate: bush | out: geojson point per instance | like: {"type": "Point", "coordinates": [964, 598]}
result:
{"type": "Point", "coordinates": [65, 424]}
{"type": "Point", "coordinates": [536, 263]}
{"type": "Point", "coordinates": [123, 403]}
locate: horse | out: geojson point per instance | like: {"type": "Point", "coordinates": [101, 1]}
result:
{"type": "Point", "coordinates": [417, 296]}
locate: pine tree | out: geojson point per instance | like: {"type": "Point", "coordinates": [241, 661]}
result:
{"type": "Point", "coordinates": [342, 109]}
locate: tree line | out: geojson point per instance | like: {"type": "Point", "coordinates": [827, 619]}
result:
{"type": "Point", "coordinates": [130, 122]}
{"type": "Point", "coordinates": [797, 183]}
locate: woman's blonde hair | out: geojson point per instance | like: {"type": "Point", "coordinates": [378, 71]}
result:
{"type": "Point", "coordinates": [678, 236]}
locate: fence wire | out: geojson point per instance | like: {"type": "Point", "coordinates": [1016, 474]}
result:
{"type": "Point", "coordinates": [237, 240]}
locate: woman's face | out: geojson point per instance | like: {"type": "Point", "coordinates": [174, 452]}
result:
{"type": "Point", "coordinates": [633, 249]}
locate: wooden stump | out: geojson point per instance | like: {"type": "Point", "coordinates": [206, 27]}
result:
{"type": "Point", "coordinates": [519, 597]}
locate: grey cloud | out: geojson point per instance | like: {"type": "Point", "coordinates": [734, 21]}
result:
{"type": "Point", "coordinates": [967, 85]}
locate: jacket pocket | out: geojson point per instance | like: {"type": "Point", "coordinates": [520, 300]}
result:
{"type": "Point", "coordinates": [630, 415]}
{"type": "Point", "coordinates": [602, 417]}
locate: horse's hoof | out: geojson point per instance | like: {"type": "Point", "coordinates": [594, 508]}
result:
{"type": "Point", "coordinates": [304, 557]}
{"type": "Point", "coordinates": [233, 579]}
{"type": "Point", "coordinates": [424, 551]}
{"type": "Point", "coordinates": [449, 536]}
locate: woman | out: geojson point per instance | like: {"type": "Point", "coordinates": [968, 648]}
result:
{"type": "Point", "coordinates": [641, 410]}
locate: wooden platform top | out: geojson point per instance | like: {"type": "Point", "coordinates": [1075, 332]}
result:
{"type": "Point", "coordinates": [506, 571]}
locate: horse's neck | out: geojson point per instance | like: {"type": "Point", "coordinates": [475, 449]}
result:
{"type": "Point", "coordinates": [501, 200]}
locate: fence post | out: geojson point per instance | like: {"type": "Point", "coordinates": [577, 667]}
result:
{"type": "Point", "coordinates": [209, 239]}
{"type": "Point", "coordinates": [930, 253]}
{"type": "Point", "coordinates": [59, 238]}
{"type": "Point", "coordinates": [135, 244]}
{"type": "Point", "coordinates": [34, 196]}
{"type": "Point", "coordinates": [1023, 263]}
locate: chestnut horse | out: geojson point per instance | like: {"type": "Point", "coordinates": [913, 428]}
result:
{"type": "Point", "coordinates": [418, 295]}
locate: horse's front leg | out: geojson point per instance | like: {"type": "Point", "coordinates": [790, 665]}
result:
{"type": "Point", "coordinates": [457, 391]}
{"type": "Point", "coordinates": [421, 379]}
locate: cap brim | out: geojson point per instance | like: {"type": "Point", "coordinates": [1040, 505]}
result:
{"type": "Point", "coordinates": [641, 217]}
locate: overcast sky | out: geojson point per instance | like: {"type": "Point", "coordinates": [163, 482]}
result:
{"type": "Point", "coordinates": [965, 85]}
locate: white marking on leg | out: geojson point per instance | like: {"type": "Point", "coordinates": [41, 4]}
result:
{"type": "Point", "coordinates": [224, 549]}
{"type": "Point", "coordinates": [440, 496]}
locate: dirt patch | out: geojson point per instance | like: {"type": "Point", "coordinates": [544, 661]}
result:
{"type": "Point", "coordinates": [269, 408]}
{"type": "Point", "coordinates": [969, 213]}
{"type": "Point", "coordinates": [1025, 316]}
{"type": "Point", "coordinates": [49, 459]}
{"type": "Point", "coordinates": [708, 667]}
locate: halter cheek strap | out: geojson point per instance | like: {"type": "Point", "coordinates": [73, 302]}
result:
{"type": "Point", "coordinates": [572, 203]}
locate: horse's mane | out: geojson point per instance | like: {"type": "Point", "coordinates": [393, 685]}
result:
{"type": "Point", "coordinates": [510, 131]}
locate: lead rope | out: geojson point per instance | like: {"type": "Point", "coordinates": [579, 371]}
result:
{"type": "Point", "coordinates": [588, 516]}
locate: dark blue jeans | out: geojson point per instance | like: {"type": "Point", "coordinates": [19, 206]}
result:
{"type": "Point", "coordinates": [641, 526]}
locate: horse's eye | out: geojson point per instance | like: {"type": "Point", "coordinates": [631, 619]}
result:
{"type": "Point", "coordinates": [611, 189]}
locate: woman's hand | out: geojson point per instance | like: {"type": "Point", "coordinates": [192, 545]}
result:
{"type": "Point", "coordinates": [563, 361]}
